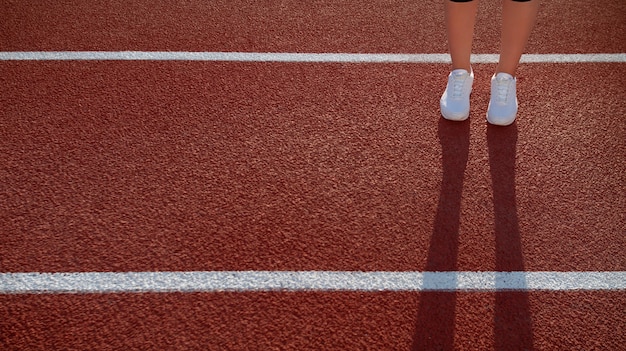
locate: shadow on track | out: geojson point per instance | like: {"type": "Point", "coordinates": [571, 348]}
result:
{"type": "Point", "coordinates": [435, 319]}
{"type": "Point", "coordinates": [512, 321]}
{"type": "Point", "coordinates": [436, 312]}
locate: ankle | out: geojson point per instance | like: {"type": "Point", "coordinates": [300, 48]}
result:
{"type": "Point", "coordinates": [468, 68]}
{"type": "Point", "coordinates": [508, 70]}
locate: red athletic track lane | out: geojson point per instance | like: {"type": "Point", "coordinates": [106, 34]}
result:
{"type": "Point", "coordinates": [155, 166]}
{"type": "Point", "coordinates": [307, 321]}
{"type": "Point", "coordinates": [563, 26]}
{"type": "Point", "coordinates": [130, 166]}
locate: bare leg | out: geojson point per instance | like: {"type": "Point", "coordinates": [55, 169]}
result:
{"type": "Point", "coordinates": [518, 19]}
{"type": "Point", "coordinates": [460, 19]}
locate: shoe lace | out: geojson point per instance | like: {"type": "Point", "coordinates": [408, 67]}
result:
{"type": "Point", "coordinates": [458, 81]}
{"type": "Point", "coordinates": [502, 89]}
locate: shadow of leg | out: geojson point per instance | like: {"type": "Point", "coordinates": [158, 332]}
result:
{"type": "Point", "coordinates": [513, 325]}
{"type": "Point", "coordinates": [435, 319]}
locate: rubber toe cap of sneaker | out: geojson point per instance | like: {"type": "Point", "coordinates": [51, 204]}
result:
{"type": "Point", "coordinates": [501, 119]}
{"type": "Point", "coordinates": [453, 114]}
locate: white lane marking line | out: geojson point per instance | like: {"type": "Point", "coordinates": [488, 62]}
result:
{"type": "Point", "coordinates": [294, 57]}
{"type": "Point", "coordinates": [245, 281]}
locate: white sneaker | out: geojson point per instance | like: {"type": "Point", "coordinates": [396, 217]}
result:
{"type": "Point", "coordinates": [455, 101]}
{"type": "Point", "coordinates": [503, 103]}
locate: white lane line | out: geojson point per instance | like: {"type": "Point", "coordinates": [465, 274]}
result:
{"type": "Point", "coordinates": [293, 57]}
{"type": "Point", "coordinates": [247, 281]}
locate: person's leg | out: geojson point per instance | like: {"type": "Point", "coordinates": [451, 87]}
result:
{"type": "Point", "coordinates": [460, 19]}
{"type": "Point", "coordinates": [518, 19]}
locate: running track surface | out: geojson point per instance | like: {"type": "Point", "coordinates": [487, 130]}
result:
{"type": "Point", "coordinates": [232, 166]}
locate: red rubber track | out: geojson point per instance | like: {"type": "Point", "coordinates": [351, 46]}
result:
{"type": "Point", "coordinates": [572, 26]}
{"type": "Point", "coordinates": [159, 166]}
{"type": "Point", "coordinates": [307, 321]}
{"type": "Point", "coordinates": [124, 166]}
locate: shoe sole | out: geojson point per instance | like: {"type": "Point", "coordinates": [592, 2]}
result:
{"type": "Point", "coordinates": [455, 118]}
{"type": "Point", "coordinates": [500, 123]}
